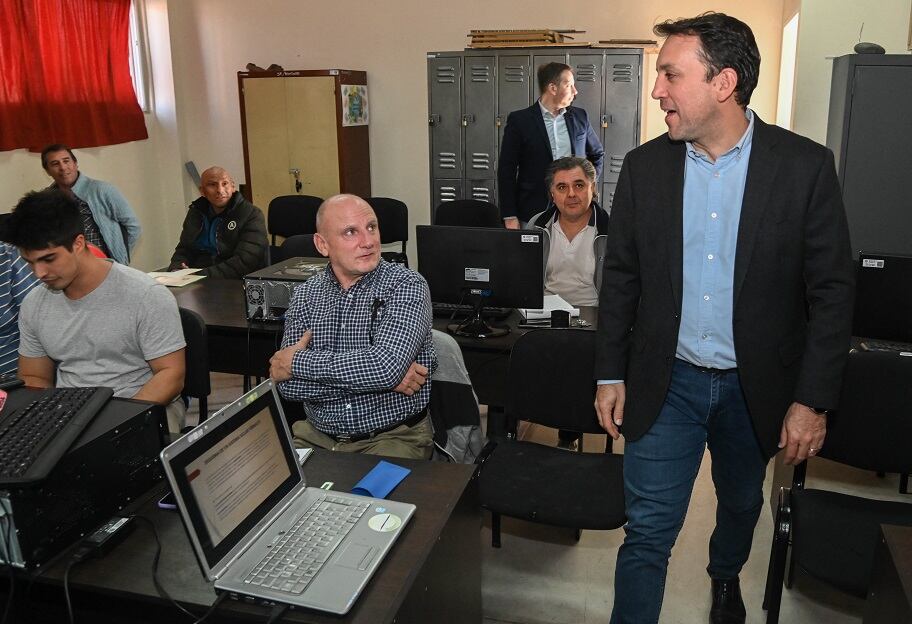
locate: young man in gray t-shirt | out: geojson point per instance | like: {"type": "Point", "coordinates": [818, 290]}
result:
{"type": "Point", "coordinates": [99, 323]}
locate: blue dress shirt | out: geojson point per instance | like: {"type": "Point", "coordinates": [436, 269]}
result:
{"type": "Point", "coordinates": [558, 135]}
{"type": "Point", "coordinates": [713, 192]}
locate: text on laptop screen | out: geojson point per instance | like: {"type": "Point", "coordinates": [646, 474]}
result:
{"type": "Point", "coordinates": [235, 476]}
{"type": "Point", "coordinates": [231, 477]}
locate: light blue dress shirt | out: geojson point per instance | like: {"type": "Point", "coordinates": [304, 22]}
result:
{"type": "Point", "coordinates": [558, 135]}
{"type": "Point", "coordinates": [713, 192]}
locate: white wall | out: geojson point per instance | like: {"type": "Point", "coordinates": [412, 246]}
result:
{"type": "Point", "coordinates": [830, 28]}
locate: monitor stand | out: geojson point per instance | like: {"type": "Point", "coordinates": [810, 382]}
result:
{"type": "Point", "coordinates": [475, 326]}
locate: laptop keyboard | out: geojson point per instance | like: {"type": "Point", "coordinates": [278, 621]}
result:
{"type": "Point", "coordinates": [298, 554]}
{"type": "Point", "coordinates": [886, 345]}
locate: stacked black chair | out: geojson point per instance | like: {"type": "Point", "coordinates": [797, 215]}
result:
{"type": "Point", "coordinates": [196, 353]}
{"type": "Point", "coordinates": [468, 213]}
{"type": "Point", "coordinates": [549, 381]}
{"type": "Point", "coordinates": [832, 535]}
{"type": "Point", "coordinates": [392, 218]}
{"type": "Point", "coordinates": [299, 245]}
{"type": "Point", "coordinates": [290, 215]}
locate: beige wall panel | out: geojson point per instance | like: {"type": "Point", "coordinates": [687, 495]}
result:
{"type": "Point", "coordinates": [312, 140]}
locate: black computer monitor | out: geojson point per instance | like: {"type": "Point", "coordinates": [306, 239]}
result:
{"type": "Point", "coordinates": [482, 267]}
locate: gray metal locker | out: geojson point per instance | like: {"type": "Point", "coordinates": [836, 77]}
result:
{"type": "Point", "coordinates": [471, 93]}
{"type": "Point", "coordinates": [478, 118]}
{"type": "Point", "coordinates": [444, 116]}
{"type": "Point", "coordinates": [514, 87]}
{"type": "Point", "coordinates": [607, 197]}
{"type": "Point", "coordinates": [621, 113]}
{"type": "Point", "coordinates": [587, 70]}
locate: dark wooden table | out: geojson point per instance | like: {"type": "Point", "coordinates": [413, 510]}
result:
{"type": "Point", "coordinates": [432, 574]}
{"type": "Point", "coordinates": [890, 594]}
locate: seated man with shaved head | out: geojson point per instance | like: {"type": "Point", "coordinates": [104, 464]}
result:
{"type": "Point", "coordinates": [357, 348]}
{"type": "Point", "coordinates": [223, 233]}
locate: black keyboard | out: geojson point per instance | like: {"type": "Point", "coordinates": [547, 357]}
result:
{"type": "Point", "coordinates": [462, 310]}
{"type": "Point", "coordinates": [34, 438]}
{"type": "Point", "coordinates": [886, 345]}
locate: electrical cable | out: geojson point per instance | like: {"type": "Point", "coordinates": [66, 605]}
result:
{"type": "Point", "coordinates": [155, 580]}
{"type": "Point", "coordinates": [8, 544]}
{"type": "Point", "coordinates": [277, 612]}
{"type": "Point", "coordinates": [66, 590]}
{"type": "Point", "coordinates": [211, 609]}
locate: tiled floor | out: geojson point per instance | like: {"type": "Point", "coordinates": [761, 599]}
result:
{"type": "Point", "coordinates": [541, 575]}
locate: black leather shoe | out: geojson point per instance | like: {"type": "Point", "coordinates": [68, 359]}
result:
{"type": "Point", "coordinates": [727, 606]}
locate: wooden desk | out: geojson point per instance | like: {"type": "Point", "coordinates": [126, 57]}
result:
{"type": "Point", "coordinates": [890, 594]}
{"type": "Point", "coordinates": [236, 345]}
{"type": "Point", "coordinates": [432, 574]}
{"type": "Point", "coordinates": [487, 358]}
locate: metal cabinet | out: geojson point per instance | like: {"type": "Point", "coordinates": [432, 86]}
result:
{"type": "Point", "coordinates": [869, 130]}
{"type": "Point", "coordinates": [471, 93]}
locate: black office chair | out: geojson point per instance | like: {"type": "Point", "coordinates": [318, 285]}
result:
{"type": "Point", "coordinates": [468, 213]}
{"type": "Point", "coordinates": [832, 536]}
{"type": "Point", "coordinates": [297, 245]}
{"type": "Point", "coordinates": [196, 353]}
{"type": "Point", "coordinates": [549, 382]}
{"type": "Point", "coordinates": [289, 215]}
{"type": "Point", "coordinates": [392, 218]}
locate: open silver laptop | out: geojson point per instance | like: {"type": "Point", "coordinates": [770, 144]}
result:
{"type": "Point", "coordinates": [246, 507]}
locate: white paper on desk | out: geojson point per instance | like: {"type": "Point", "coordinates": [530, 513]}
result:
{"type": "Point", "coordinates": [178, 278]}
{"type": "Point", "coordinates": [551, 302]}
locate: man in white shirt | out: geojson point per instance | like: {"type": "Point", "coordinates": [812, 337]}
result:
{"type": "Point", "coordinates": [574, 231]}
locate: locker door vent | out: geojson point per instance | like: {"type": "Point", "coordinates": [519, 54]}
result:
{"type": "Point", "coordinates": [446, 74]}
{"type": "Point", "coordinates": [586, 72]}
{"type": "Point", "coordinates": [481, 161]}
{"type": "Point", "coordinates": [481, 73]}
{"type": "Point", "coordinates": [481, 192]}
{"type": "Point", "coordinates": [446, 160]}
{"type": "Point", "coordinates": [447, 193]}
{"type": "Point", "coordinates": [614, 166]}
{"type": "Point", "coordinates": [623, 72]}
{"type": "Point", "coordinates": [515, 73]}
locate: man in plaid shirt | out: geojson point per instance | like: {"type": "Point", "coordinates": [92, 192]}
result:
{"type": "Point", "coordinates": [357, 348]}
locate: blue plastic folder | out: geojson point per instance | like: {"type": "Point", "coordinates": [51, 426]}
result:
{"type": "Point", "coordinates": [381, 480]}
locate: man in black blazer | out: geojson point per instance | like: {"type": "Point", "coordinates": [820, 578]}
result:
{"type": "Point", "coordinates": [534, 136]}
{"type": "Point", "coordinates": [725, 310]}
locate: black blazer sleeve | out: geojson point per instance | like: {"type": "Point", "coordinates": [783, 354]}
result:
{"type": "Point", "coordinates": [508, 164]}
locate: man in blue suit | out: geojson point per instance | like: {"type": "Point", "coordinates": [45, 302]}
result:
{"type": "Point", "coordinates": [535, 136]}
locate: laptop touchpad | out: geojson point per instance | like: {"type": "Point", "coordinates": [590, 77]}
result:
{"type": "Point", "coordinates": [357, 556]}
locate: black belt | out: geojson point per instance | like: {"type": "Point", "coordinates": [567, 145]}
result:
{"type": "Point", "coordinates": [411, 421]}
{"type": "Point", "coordinates": [704, 369]}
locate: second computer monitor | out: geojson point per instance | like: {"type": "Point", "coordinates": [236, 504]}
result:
{"type": "Point", "coordinates": [504, 267]}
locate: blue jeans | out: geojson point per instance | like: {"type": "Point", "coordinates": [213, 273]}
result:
{"type": "Point", "coordinates": [701, 408]}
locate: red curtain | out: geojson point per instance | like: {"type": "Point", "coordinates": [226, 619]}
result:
{"type": "Point", "coordinates": [65, 74]}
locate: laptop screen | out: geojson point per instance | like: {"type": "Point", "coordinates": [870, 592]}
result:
{"type": "Point", "coordinates": [233, 474]}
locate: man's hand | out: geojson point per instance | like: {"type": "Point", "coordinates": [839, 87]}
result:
{"type": "Point", "coordinates": [280, 363]}
{"type": "Point", "coordinates": [803, 432]}
{"type": "Point", "coordinates": [415, 377]}
{"type": "Point", "coordinates": [511, 223]}
{"type": "Point", "coordinates": [609, 405]}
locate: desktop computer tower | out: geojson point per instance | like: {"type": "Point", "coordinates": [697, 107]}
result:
{"type": "Point", "coordinates": [111, 464]}
{"type": "Point", "coordinates": [268, 291]}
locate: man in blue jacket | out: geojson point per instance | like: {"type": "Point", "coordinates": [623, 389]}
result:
{"type": "Point", "coordinates": [535, 136]}
{"type": "Point", "coordinates": [109, 222]}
